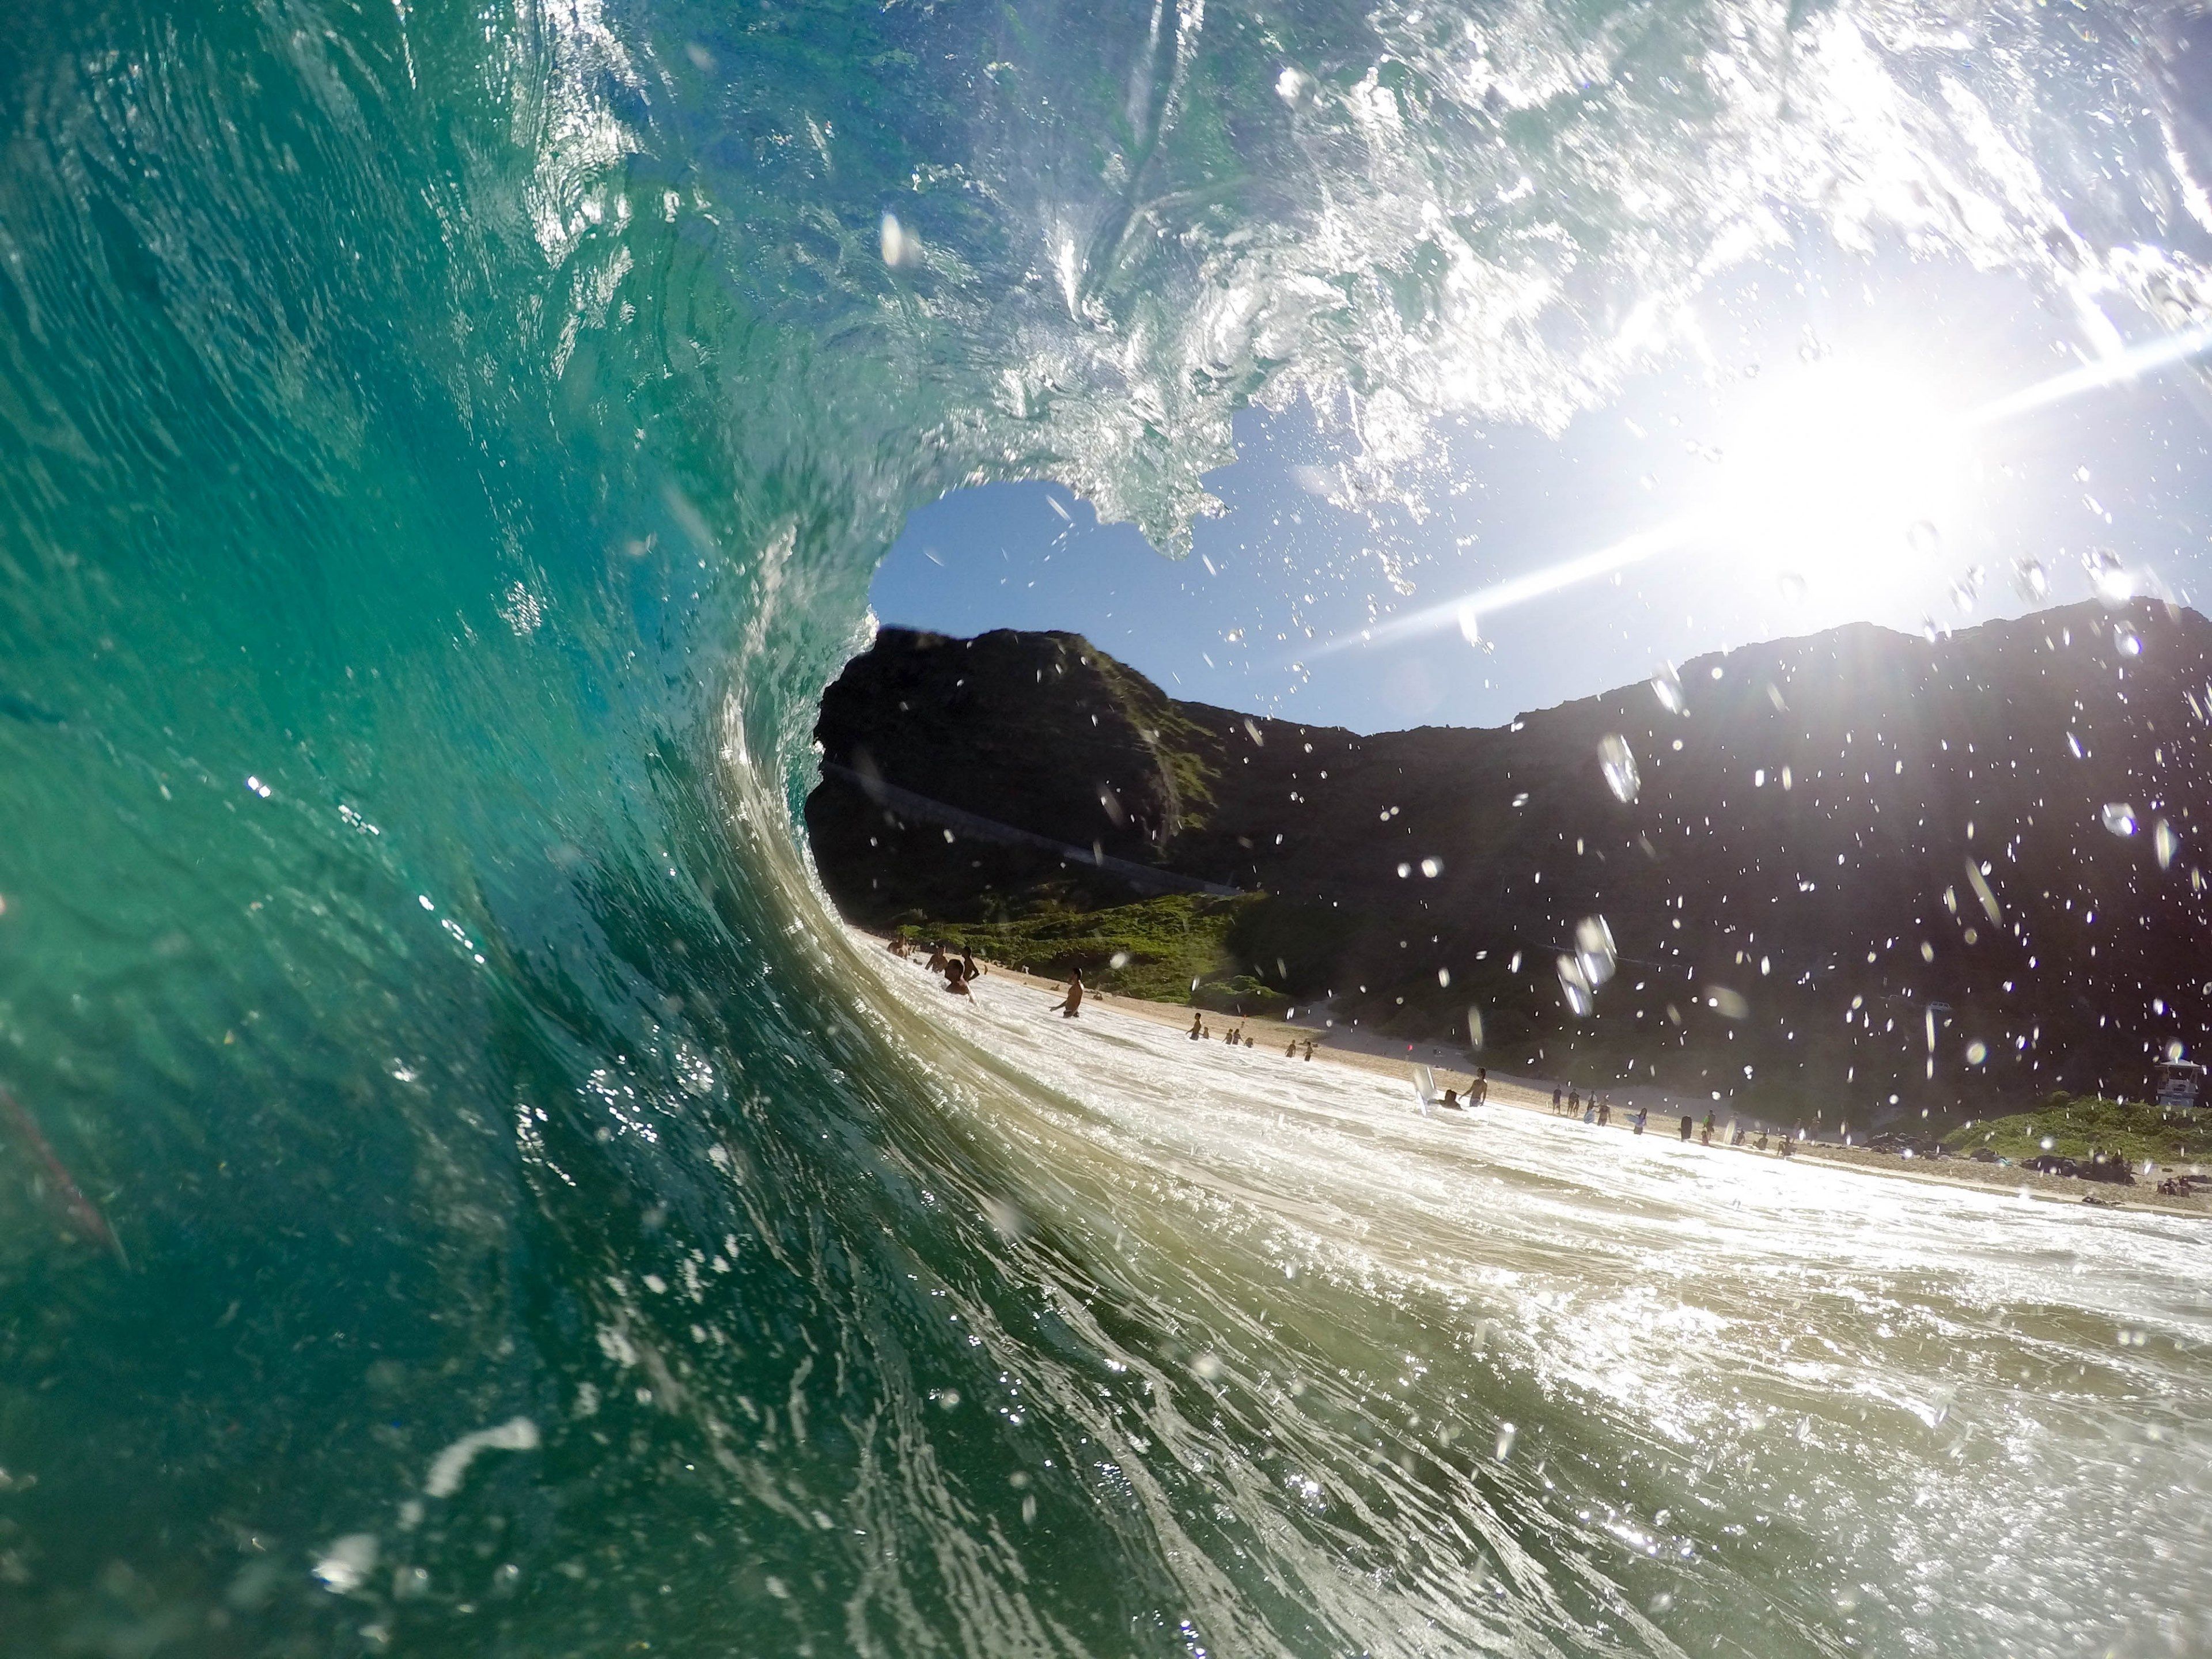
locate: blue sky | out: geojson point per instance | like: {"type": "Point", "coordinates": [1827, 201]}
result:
{"type": "Point", "coordinates": [1796, 438]}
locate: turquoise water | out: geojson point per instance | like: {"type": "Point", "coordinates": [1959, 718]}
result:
{"type": "Point", "coordinates": [442, 454]}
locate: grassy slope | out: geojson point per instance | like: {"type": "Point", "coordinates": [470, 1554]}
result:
{"type": "Point", "coordinates": [1167, 942]}
{"type": "Point", "coordinates": [2077, 1125]}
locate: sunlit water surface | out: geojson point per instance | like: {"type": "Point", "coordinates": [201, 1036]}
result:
{"type": "Point", "coordinates": [1507, 1363]}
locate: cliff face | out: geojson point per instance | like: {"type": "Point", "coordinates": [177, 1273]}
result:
{"type": "Point", "coordinates": [1835, 847]}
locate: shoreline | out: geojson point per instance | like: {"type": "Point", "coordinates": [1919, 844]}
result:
{"type": "Point", "coordinates": [1337, 1046]}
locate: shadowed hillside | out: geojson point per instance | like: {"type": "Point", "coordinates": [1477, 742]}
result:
{"type": "Point", "coordinates": [1851, 866]}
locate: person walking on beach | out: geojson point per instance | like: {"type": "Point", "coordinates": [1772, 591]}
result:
{"type": "Point", "coordinates": [1073, 1008]}
{"type": "Point", "coordinates": [1556, 1098]}
{"type": "Point", "coordinates": [1706, 1138]}
{"type": "Point", "coordinates": [1604, 1111]}
{"type": "Point", "coordinates": [1639, 1120]}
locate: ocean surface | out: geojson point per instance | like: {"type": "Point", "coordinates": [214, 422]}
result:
{"type": "Point", "coordinates": [460, 1193]}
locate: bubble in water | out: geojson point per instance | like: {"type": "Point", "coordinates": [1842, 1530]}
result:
{"type": "Point", "coordinates": [348, 1562]}
{"type": "Point", "coordinates": [900, 245]}
{"type": "Point", "coordinates": [2030, 580]}
{"type": "Point", "coordinates": [2165, 843]}
{"type": "Point", "coordinates": [2108, 576]}
{"type": "Point", "coordinates": [1574, 987]}
{"type": "Point", "coordinates": [1924, 537]}
{"type": "Point", "coordinates": [1667, 686]}
{"type": "Point", "coordinates": [1594, 950]}
{"type": "Point", "coordinates": [2119, 817]}
{"type": "Point", "coordinates": [2126, 643]}
{"type": "Point", "coordinates": [1619, 766]}
{"type": "Point", "coordinates": [1977, 1052]}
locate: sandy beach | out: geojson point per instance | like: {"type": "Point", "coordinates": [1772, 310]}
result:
{"type": "Point", "coordinates": [1367, 1051]}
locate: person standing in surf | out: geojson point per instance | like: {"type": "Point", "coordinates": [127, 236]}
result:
{"type": "Point", "coordinates": [1071, 1007]}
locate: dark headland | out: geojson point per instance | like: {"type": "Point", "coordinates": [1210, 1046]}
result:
{"type": "Point", "coordinates": [1838, 846]}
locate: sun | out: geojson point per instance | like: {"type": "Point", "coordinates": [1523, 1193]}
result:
{"type": "Point", "coordinates": [1845, 476]}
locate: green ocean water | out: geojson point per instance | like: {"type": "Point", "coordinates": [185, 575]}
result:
{"type": "Point", "coordinates": [443, 451]}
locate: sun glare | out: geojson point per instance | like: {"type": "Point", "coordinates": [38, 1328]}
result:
{"type": "Point", "coordinates": [1842, 477]}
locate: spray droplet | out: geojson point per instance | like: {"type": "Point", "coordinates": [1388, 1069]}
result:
{"type": "Point", "coordinates": [1119, 959]}
{"type": "Point", "coordinates": [1977, 1052]}
{"type": "Point", "coordinates": [1432, 868]}
{"type": "Point", "coordinates": [1619, 765]}
{"type": "Point", "coordinates": [2108, 576]}
{"type": "Point", "coordinates": [1574, 988]}
{"type": "Point", "coordinates": [1473, 1026]}
{"type": "Point", "coordinates": [1791, 585]}
{"type": "Point", "coordinates": [1667, 686]}
{"type": "Point", "coordinates": [2165, 843]}
{"type": "Point", "coordinates": [1506, 1435]}
{"type": "Point", "coordinates": [1924, 537]}
{"type": "Point", "coordinates": [2030, 580]}
{"type": "Point", "coordinates": [2119, 817]}
{"type": "Point", "coordinates": [2126, 642]}
{"type": "Point", "coordinates": [1594, 954]}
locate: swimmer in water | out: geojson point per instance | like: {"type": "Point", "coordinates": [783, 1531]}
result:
{"type": "Point", "coordinates": [1197, 1028]}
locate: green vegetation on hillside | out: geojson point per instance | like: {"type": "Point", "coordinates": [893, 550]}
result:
{"type": "Point", "coordinates": [2074, 1126]}
{"type": "Point", "coordinates": [1163, 944]}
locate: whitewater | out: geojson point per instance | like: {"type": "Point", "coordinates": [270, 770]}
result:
{"type": "Point", "coordinates": [460, 1190]}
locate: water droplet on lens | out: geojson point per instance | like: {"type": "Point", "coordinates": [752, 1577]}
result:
{"type": "Point", "coordinates": [1666, 685]}
{"type": "Point", "coordinates": [1506, 1435]}
{"type": "Point", "coordinates": [2030, 580]}
{"type": "Point", "coordinates": [1619, 766]}
{"type": "Point", "coordinates": [1792, 585]}
{"type": "Point", "coordinates": [2165, 843]}
{"type": "Point", "coordinates": [2108, 576]}
{"type": "Point", "coordinates": [1977, 1052]}
{"type": "Point", "coordinates": [1923, 537]}
{"type": "Point", "coordinates": [2126, 643]}
{"type": "Point", "coordinates": [2119, 817]}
